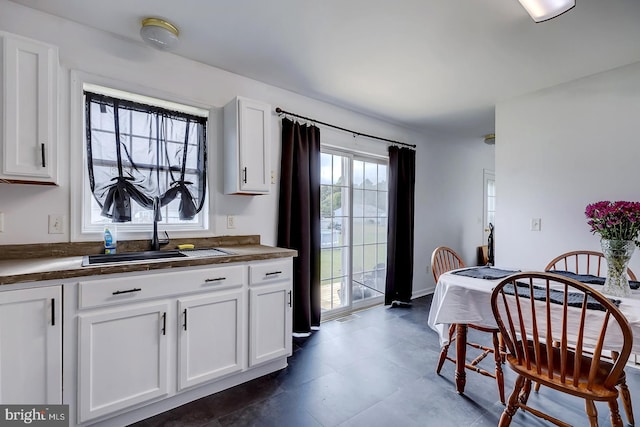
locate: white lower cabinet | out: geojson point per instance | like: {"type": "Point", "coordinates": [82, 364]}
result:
{"type": "Point", "coordinates": [139, 335]}
{"type": "Point", "coordinates": [152, 338]}
{"type": "Point", "coordinates": [31, 346]}
{"type": "Point", "coordinates": [123, 358]}
{"type": "Point", "coordinates": [211, 336]}
{"type": "Point", "coordinates": [270, 310]}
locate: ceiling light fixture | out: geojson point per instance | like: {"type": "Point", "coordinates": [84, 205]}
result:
{"type": "Point", "coordinates": [159, 34]}
{"type": "Point", "coordinates": [543, 10]}
{"type": "Point", "coordinates": [490, 139]}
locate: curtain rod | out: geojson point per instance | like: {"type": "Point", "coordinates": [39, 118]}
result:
{"type": "Point", "coordinates": [280, 111]}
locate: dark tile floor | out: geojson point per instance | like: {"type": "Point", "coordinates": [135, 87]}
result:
{"type": "Point", "coordinates": [374, 368]}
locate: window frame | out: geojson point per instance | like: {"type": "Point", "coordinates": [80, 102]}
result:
{"type": "Point", "coordinates": [353, 154]}
{"type": "Point", "coordinates": [81, 196]}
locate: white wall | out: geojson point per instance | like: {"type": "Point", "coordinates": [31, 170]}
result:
{"type": "Point", "coordinates": [558, 150]}
{"type": "Point", "coordinates": [449, 199]}
{"type": "Point", "coordinates": [443, 216]}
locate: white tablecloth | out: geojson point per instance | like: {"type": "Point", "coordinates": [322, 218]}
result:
{"type": "Point", "coordinates": [461, 299]}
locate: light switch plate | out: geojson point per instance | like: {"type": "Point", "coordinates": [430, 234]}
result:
{"type": "Point", "coordinates": [56, 224]}
{"type": "Point", "coordinates": [536, 224]}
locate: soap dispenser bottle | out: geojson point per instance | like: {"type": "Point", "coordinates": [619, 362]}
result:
{"type": "Point", "coordinates": [110, 239]}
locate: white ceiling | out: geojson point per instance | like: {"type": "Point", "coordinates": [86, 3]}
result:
{"type": "Point", "coordinates": [426, 64]}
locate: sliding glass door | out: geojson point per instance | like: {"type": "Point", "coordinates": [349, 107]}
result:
{"type": "Point", "coordinates": [353, 211]}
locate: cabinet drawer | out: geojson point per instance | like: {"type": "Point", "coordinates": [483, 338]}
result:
{"type": "Point", "coordinates": [270, 272]}
{"type": "Point", "coordinates": [124, 289]}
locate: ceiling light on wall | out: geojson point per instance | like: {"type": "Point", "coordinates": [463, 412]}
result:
{"type": "Point", "coordinates": [543, 10]}
{"type": "Point", "coordinates": [159, 34]}
{"type": "Point", "coordinates": [490, 139]}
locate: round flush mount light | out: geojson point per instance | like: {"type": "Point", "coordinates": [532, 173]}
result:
{"type": "Point", "coordinates": [159, 34]}
{"type": "Point", "coordinates": [490, 139]}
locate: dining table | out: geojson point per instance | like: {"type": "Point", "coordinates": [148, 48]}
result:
{"type": "Point", "coordinates": [463, 297]}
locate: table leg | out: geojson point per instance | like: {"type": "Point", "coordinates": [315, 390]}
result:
{"type": "Point", "coordinates": [461, 356]}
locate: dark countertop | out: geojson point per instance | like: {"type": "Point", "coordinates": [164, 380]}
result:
{"type": "Point", "coordinates": [29, 263]}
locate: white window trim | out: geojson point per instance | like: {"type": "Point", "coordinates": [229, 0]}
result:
{"type": "Point", "coordinates": [354, 153]}
{"type": "Point", "coordinates": [78, 163]}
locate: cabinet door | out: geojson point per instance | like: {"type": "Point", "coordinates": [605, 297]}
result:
{"type": "Point", "coordinates": [30, 110]}
{"type": "Point", "coordinates": [270, 322]}
{"type": "Point", "coordinates": [247, 136]}
{"type": "Point", "coordinates": [122, 358]}
{"type": "Point", "coordinates": [210, 337]}
{"type": "Point", "coordinates": [31, 346]}
{"type": "Point", "coordinates": [255, 128]}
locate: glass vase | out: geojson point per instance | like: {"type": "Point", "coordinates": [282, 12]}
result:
{"type": "Point", "coordinates": [618, 254]}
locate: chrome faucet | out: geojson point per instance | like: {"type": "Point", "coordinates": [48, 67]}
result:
{"type": "Point", "coordinates": [155, 242]}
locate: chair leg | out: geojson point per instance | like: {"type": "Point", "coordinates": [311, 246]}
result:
{"type": "Point", "coordinates": [624, 394]}
{"type": "Point", "coordinates": [497, 354]}
{"type": "Point", "coordinates": [524, 394]}
{"type": "Point", "coordinates": [512, 406]}
{"type": "Point", "coordinates": [536, 388]}
{"type": "Point", "coordinates": [626, 402]}
{"type": "Point", "coordinates": [616, 419]}
{"type": "Point", "coordinates": [592, 412]}
{"type": "Point", "coordinates": [445, 348]}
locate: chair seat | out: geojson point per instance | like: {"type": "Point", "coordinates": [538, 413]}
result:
{"type": "Point", "coordinates": [598, 390]}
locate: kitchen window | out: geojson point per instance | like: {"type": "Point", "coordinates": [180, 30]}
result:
{"type": "Point", "coordinates": [141, 156]}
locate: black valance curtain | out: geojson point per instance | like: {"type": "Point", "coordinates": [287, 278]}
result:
{"type": "Point", "coordinates": [144, 153]}
{"type": "Point", "coordinates": [402, 172]}
{"type": "Point", "coordinates": [299, 218]}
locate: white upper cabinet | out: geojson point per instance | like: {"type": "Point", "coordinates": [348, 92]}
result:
{"type": "Point", "coordinates": [247, 140]}
{"type": "Point", "coordinates": [29, 123]}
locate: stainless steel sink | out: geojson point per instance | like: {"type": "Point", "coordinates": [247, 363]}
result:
{"type": "Point", "coordinates": [127, 257]}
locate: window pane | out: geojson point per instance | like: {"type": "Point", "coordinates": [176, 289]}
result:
{"type": "Point", "coordinates": [325, 263]}
{"type": "Point", "coordinates": [358, 231]}
{"type": "Point", "coordinates": [325, 168]}
{"type": "Point", "coordinates": [358, 174]}
{"type": "Point", "coordinates": [370, 257]}
{"type": "Point", "coordinates": [338, 166]}
{"type": "Point", "coordinates": [382, 230]}
{"type": "Point", "coordinates": [358, 259]}
{"type": "Point", "coordinates": [371, 176]}
{"type": "Point", "coordinates": [358, 203]}
{"type": "Point", "coordinates": [382, 177]}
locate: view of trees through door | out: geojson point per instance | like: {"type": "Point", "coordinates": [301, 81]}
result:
{"type": "Point", "coordinates": [353, 212]}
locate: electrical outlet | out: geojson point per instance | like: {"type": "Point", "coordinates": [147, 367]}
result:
{"type": "Point", "coordinates": [231, 221]}
{"type": "Point", "coordinates": [56, 224]}
{"type": "Point", "coordinates": [273, 177]}
{"type": "Point", "coordinates": [536, 224]}
{"type": "Point", "coordinates": [1, 222]}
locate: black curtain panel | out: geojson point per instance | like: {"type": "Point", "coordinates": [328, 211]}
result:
{"type": "Point", "coordinates": [138, 152]}
{"type": "Point", "coordinates": [402, 172]}
{"type": "Point", "coordinates": [299, 218]}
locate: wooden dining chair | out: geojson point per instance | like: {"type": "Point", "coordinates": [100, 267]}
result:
{"type": "Point", "coordinates": [543, 318]}
{"type": "Point", "coordinates": [592, 262]}
{"type": "Point", "coordinates": [445, 259]}
{"type": "Point", "coordinates": [583, 262]}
